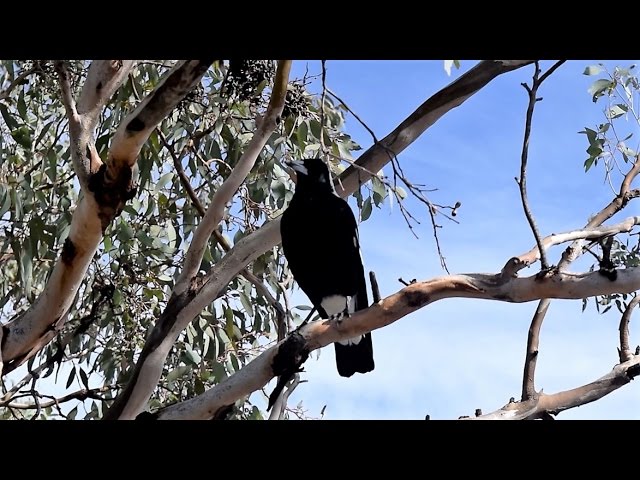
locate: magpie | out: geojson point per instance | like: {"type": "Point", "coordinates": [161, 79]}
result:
{"type": "Point", "coordinates": [320, 242]}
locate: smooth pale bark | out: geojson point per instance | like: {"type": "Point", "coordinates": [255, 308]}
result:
{"type": "Point", "coordinates": [26, 335]}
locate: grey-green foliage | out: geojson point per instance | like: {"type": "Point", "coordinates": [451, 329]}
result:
{"type": "Point", "coordinates": [132, 274]}
{"type": "Point", "coordinates": [613, 145]}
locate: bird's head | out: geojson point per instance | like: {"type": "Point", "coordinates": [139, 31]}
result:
{"type": "Point", "coordinates": [312, 173]}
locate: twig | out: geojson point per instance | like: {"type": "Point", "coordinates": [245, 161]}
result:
{"type": "Point", "coordinates": [16, 81]}
{"type": "Point", "coordinates": [67, 96]}
{"type": "Point", "coordinates": [81, 394]}
{"type": "Point", "coordinates": [360, 121]}
{"type": "Point", "coordinates": [260, 286]}
{"type": "Point", "coordinates": [322, 114]}
{"type": "Point", "coordinates": [281, 403]}
{"type": "Point", "coordinates": [533, 337]}
{"type": "Point", "coordinates": [522, 182]}
{"type": "Point", "coordinates": [625, 351]}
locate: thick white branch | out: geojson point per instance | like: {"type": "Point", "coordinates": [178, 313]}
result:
{"type": "Point", "coordinates": [582, 234]}
{"type": "Point", "coordinates": [24, 333]}
{"type": "Point", "coordinates": [103, 79]}
{"type": "Point", "coordinates": [134, 130]}
{"type": "Point", "coordinates": [318, 334]}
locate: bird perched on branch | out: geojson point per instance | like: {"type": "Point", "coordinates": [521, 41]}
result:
{"type": "Point", "coordinates": [320, 242]}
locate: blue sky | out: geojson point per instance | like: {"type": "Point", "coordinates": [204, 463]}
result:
{"type": "Point", "coordinates": [457, 355]}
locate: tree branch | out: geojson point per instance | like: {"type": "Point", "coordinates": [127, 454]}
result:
{"type": "Point", "coordinates": [625, 351]}
{"type": "Point", "coordinates": [81, 394]}
{"type": "Point", "coordinates": [17, 81]}
{"type": "Point", "coordinates": [586, 233]}
{"type": "Point", "coordinates": [320, 333]}
{"type": "Point", "coordinates": [542, 404]}
{"type": "Point", "coordinates": [67, 97]}
{"type": "Point", "coordinates": [522, 182]}
{"type": "Point", "coordinates": [450, 97]}
{"type": "Point", "coordinates": [135, 129]}
{"type": "Point", "coordinates": [280, 404]}
{"type": "Point", "coordinates": [215, 211]}
{"type": "Point", "coordinates": [570, 254]}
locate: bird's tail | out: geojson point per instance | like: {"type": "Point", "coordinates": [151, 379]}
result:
{"type": "Point", "coordinates": [356, 354]}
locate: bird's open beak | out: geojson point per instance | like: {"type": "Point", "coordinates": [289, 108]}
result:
{"type": "Point", "coordinates": [298, 166]}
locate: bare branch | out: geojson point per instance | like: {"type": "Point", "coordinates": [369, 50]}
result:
{"type": "Point", "coordinates": [323, 332]}
{"type": "Point", "coordinates": [225, 192]}
{"type": "Point", "coordinates": [617, 204]}
{"type": "Point", "coordinates": [542, 404]}
{"type": "Point", "coordinates": [522, 182]}
{"type": "Point", "coordinates": [81, 394]}
{"type": "Point", "coordinates": [453, 95]}
{"type": "Point", "coordinates": [587, 233]}
{"type": "Point", "coordinates": [280, 404]}
{"type": "Point", "coordinates": [625, 350]}
{"type": "Point", "coordinates": [103, 79]}
{"type": "Point", "coordinates": [67, 96]}
{"type": "Point", "coordinates": [17, 81]}
{"type": "Point", "coordinates": [533, 344]}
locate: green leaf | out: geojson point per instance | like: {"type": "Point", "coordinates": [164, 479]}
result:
{"type": "Point", "coordinates": [615, 112]}
{"type": "Point", "coordinates": [219, 372]}
{"type": "Point", "coordinates": [162, 181]}
{"type": "Point", "coordinates": [588, 163]}
{"type": "Point", "coordinates": [8, 118]}
{"type": "Point", "coordinates": [191, 355]}
{"type": "Point", "coordinates": [366, 210]}
{"type": "Point", "coordinates": [22, 107]}
{"type": "Point", "coordinates": [246, 303]}
{"type": "Point", "coordinates": [117, 297]}
{"type": "Point", "coordinates": [591, 134]}
{"type": "Point", "coordinates": [303, 131]}
{"type": "Point", "coordinates": [177, 372]}
{"type": "Point", "coordinates": [593, 70]}
{"type": "Point", "coordinates": [72, 413]}
{"type": "Point", "coordinates": [84, 379]}
{"type": "Point", "coordinates": [72, 376]}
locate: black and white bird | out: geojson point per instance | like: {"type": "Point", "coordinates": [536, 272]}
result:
{"type": "Point", "coordinates": [320, 241]}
